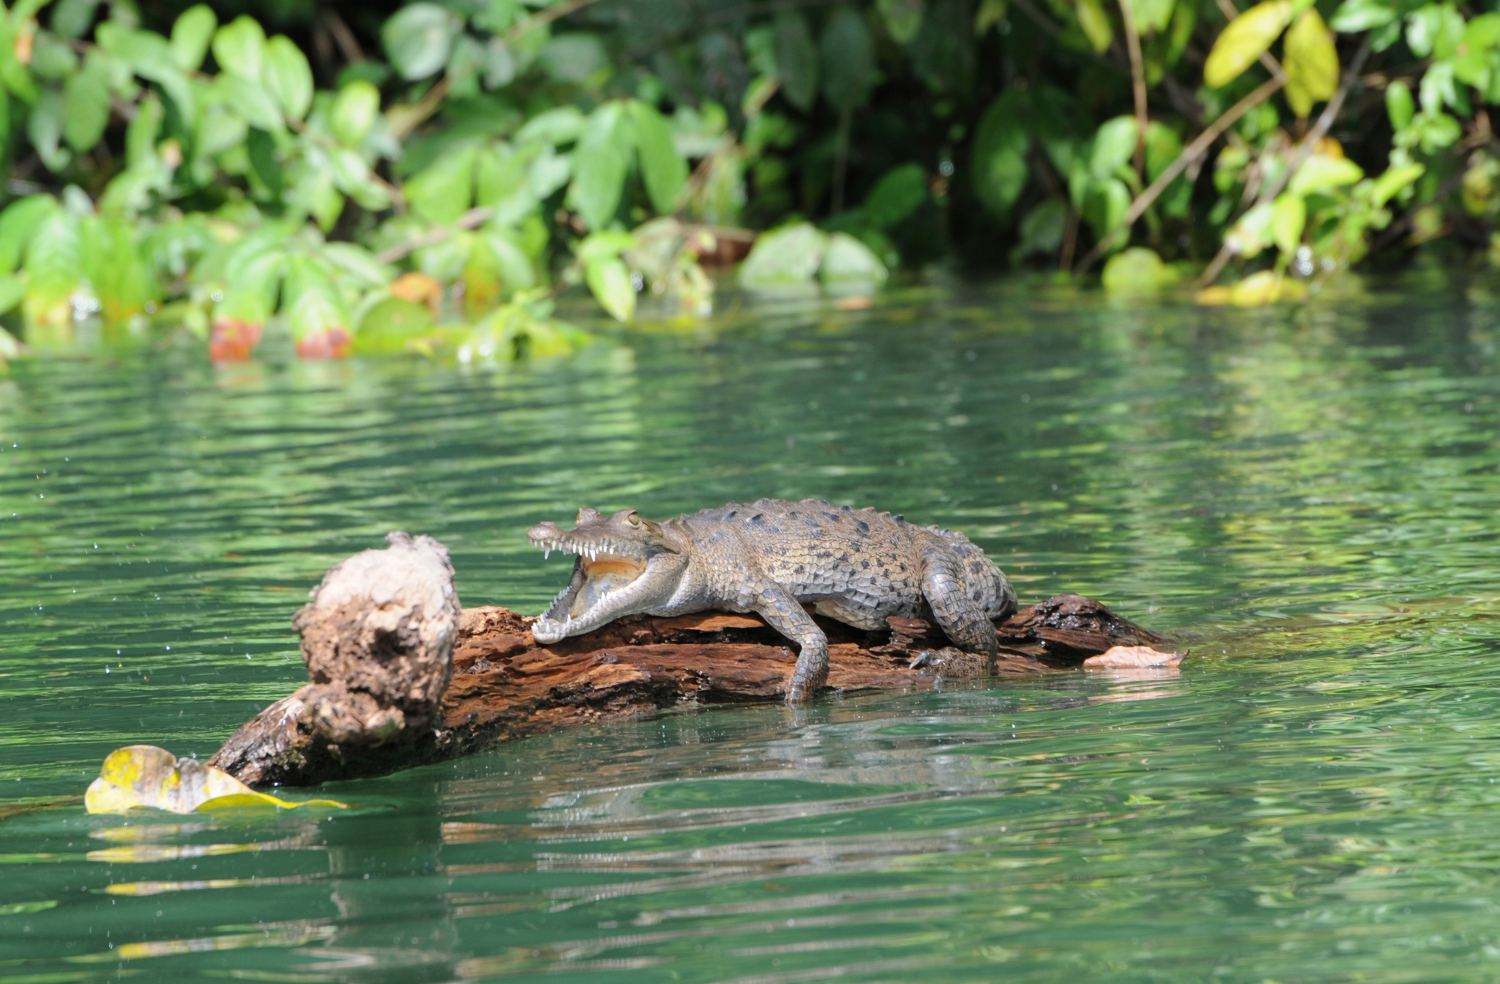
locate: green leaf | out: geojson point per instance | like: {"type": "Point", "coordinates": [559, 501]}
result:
{"type": "Point", "coordinates": [18, 223]}
{"type": "Point", "coordinates": [796, 59]}
{"type": "Point", "coordinates": [44, 127]}
{"type": "Point", "coordinates": [999, 156]}
{"type": "Point", "coordinates": [609, 281]}
{"type": "Point", "coordinates": [599, 165]}
{"type": "Point", "coordinates": [1252, 233]}
{"type": "Point", "coordinates": [1321, 173]}
{"type": "Point", "coordinates": [444, 190]}
{"type": "Point", "coordinates": [1137, 271]}
{"type": "Point", "coordinates": [1435, 30]}
{"type": "Point", "coordinates": [1244, 40]}
{"type": "Point", "coordinates": [354, 111]}
{"type": "Point", "coordinates": [1104, 205]}
{"type": "Point", "coordinates": [903, 18]}
{"type": "Point", "coordinates": [116, 269]}
{"type": "Point", "coordinates": [356, 263]}
{"type": "Point", "coordinates": [1288, 218]}
{"type": "Point", "coordinates": [1042, 229]}
{"type": "Point", "coordinates": [790, 255]}
{"type": "Point", "coordinates": [73, 18]}
{"type": "Point", "coordinates": [288, 76]}
{"type": "Point", "coordinates": [1152, 16]}
{"type": "Point", "coordinates": [86, 95]}
{"type": "Point", "coordinates": [512, 263]}
{"type": "Point", "coordinates": [604, 245]}
{"type": "Point", "coordinates": [1311, 62]}
{"type": "Point", "coordinates": [1113, 146]}
{"type": "Point", "coordinates": [1393, 182]}
{"type": "Point", "coordinates": [554, 127]}
{"type": "Point", "coordinates": [419, 39]}
{"type": "Point", "coordinates": [239, 47]}
{"type": "Point", "coordinates": [315, 310]}
{"type": "Point", "coordinates": [55, 262]}
{"type": "Point", "coordinates": [251, 102]}
{"type": "Point", "coordinates": [1399, 104]}
{"type": "Point", "coordinates": [847, 55]}
{"type": "Point", "coordinates": [388, 325]}
{"type": "Point", "coordinates": [191, 34]}
{"type": "Point", "coordinates": [896, 195]}
{"type": "Point", "coordinates": [664, 172]}
{"type": "Point", "coordinates": [1354, 16]}
{"type": "Point", "coordinates": [1163, 146]}
{"type": "Point", "coordinates": [149, 56]}
{"type": "Point", "coordinates": [501, 184]}
{"type": "Point", "coordinates": [847, 259]}
{"type": "Point", "coordinates": [573, 57]}
{"type": "Point", "coordinates": [1095, 23]}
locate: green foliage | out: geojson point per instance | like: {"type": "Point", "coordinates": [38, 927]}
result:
{"type": "Point", "coordinates": [189, 173]}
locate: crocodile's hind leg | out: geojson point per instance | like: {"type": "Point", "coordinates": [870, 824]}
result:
{"type": "Point", "coordinates": [964, 622]}
{"type": "Point", "coordinates": [782, 612]}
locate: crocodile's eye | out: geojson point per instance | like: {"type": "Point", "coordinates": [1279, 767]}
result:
{"type": "Point", "coordinates": [633, 519]}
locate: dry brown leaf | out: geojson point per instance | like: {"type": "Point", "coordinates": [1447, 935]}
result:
{"type": "Point", "coordinates": [1131, 657]}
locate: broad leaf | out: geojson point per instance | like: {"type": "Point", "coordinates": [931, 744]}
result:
{"type": "Point", "coordinates": [896, 195]}
{"type": "Point", "coordinates": [1244, 40]}
{"type": "Point", "coordinates": [1399, 104]}
{"type": "Point", "coordinates": [354, 111]}
{"type": "Point", "coordinates": [796, 59]}
{"type": "Point", "coordinates": [239, 47]}
{"type": "Point", "coordinates": [599, 165]}
{"type": "Point", "coordinates": [1321, 173]}
{"type": "Point", "coordinates": [87, 98]}
{"type": "Point", "coordinates": [287, 76]}
{"type": "Point", "coordinates": [1113, 146]}
{"type": "Point", "coordinates": [191, 35]}
{"type": "Point", "coordinates": [1095, 23]}
{"type": "Point", "coordinates": [609, 281]}
{"type": "Point", "coordinates": [18, 222]}
{"type": "Point", "coordinates": [790, 255]}
{"type": "Point", "coordinates": [445, 189]}
{"type": "Point", "coordinates": [999, 155]}
{"type": "Point", "coordinates": [903, 18]}
{"type": "Point", "coordinates": [1288, 218]}
{"type": "Point", "coordinates": [419, 38]}
{"type": "Point", "coordinates": [664, 172]}
{"type": "Point", "coordinates": [846, 258]}
{"type": "Point", "coordinates": [1137, 271]}
{"type": "Point", "coordinates": [847, 56]}
{"type": "Point", "coordinates": [554, 127]}
{"type": "Point", "coordinates": [1354, 16]}
{"type": "Point", "coordinates": [146, 776]}
{"type": "Point", "coordinates": [1311, 62]}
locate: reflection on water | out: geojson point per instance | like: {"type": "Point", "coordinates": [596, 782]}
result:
{"type": "Point", "coordinates": [1306, 499]}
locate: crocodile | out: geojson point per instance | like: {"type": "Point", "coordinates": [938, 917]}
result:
{"type": "Point", "coordinates": [771, 557]}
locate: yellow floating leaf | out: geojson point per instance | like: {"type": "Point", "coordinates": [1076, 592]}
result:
{"type": "Point", "coordinates": [1244, 40]}
{"type": "Point", "coordinates": [147, 776]}
{"type": "Point", "coordinates": [1256, 290]}
{"type": "Point", "coordinates": [1311, 62]}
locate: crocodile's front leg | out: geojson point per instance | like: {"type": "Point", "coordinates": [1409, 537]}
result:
{"type": "Point", "coordinates": [964, 622]}
{"type": "Point", "coordinates": [782, 612]}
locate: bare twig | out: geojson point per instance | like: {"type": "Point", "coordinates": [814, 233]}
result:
{"type": "Point", "coordinates": [1137, 83]}
{"type": "Point", "coordinates": [342, 36]}
{"type": "Point", "coordinates": [473, 217]}
{"type": "Point", "coordinates": [1299, 155]}
{"type": "Point", "coordinates": [405, 118]}
{"type": "Point", "coordinates": [1190, 153]}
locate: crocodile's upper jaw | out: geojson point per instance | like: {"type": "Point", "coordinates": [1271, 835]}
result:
{"type": "Point", "coordinates": [621, 569]}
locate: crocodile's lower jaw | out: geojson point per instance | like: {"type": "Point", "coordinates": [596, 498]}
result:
{"type": "Point", "coordinates": [546, 631]}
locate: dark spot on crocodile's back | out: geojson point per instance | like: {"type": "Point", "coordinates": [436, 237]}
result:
{"type": "Point", "coordinates": [863, 526]}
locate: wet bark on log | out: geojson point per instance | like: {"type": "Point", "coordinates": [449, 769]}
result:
{"type": "Point", "coordinates": [395, 687]}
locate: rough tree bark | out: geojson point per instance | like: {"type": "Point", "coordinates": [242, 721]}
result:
{"type": "Point", "coordinates": [400, 676]}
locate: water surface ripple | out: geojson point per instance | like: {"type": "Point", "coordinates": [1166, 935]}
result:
{"type": "Point", "coordinates": [1307, 498]}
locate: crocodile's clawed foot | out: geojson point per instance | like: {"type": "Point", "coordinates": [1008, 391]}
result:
{"type": "Point", "coordinates": [949, 661]}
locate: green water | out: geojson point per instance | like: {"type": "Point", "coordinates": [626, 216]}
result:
{"type": "Point", "coordinates": [1308, 498]}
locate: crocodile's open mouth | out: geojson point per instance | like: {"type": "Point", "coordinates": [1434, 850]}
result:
{"type": "Point", "coordinates": [601, 573]}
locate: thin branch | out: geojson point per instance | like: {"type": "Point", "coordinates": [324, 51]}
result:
{"type": "Point", "coordinates": [1137, 83]}
{"type": "Point", "coordinates": [1190, 153]}
{"type": "Point", "coordinates": [342, 36]}
{"type": "Point", "coordinates": [1300, 153]}
{"type": "Point", "coordinates": [404, 119]}
{"type": "Point", "coordinates": [546, 16]}
{"type": "Point", "coordinates": [473, 217]}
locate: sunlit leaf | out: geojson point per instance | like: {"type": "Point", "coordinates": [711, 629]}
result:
{"type": "Point", "coordinates": [87, 98]}
{"type": "Point", "coordinates": [71, 18]}
{"type": "Point", "coordinates": [390, 324]}
{"type": "Point", "coordinates": [556, 126]}
{"type": "Point", "coordinates": [1436, 30]}
{"type": "Point", "coordinates": [143, 776]}
{"type": "Point", "coordinates": [444, 190]}
{"type": "Point", "coordinates": [18, 222]}
{"type": "Point", "coordinates": [1288, 218]}
{"type": "Point", "coordinates": [599, 165]}
{"type": "Point", "coordinates": [573, 57]}
{"type": "Point", "coordinates": [1311, 62]}
{"type": "Point", "coordinates": [1399, 104]}
{"type": "Point", "coordinates": [116, 270]}
{"type": "Point", "coordinates": [55, 266]}
{"type": "Point", "coordinates": [847, 259]}
{"type": "Point", "coordinates": [1042, 229]}
{"type": "Point", "coordinates": [1321, 172]}
{"type": "Point", "coordinates": [44, 127]}
{"type": "Point", "coordinates": [790, 255]}
{"type": "Point", "coordinates": [1394, 181]}
{"type": "Point", "coordinates": [1137, 271]}
{"type": "Point", "coordinates": [288, 76]}
{"type": "Point", "coordinates": [354, 111]}
{"type": "Point", "coordinates": [191, 34]}
{"type": "Point", "coordinates": [609, 280]}
{"type": "Point", "coordinates": [1105, 204]}
{"type": "Point", "coordinates": [502, 184]}
{"type": "Point", "coordinates": [1095, 23]}
{"type": "Point", "coordinates": [796, 59]}
{"type": "Point", "coordinates": [1244, 40]}
{"type": "Point", "coordinates": [846, 54]}
{"type": "Point", "coordinates": [1152, 15]}
{"type": "Point", "coordinates": [315, 311]}
{"type": "Point", "coordinates": [1252, 233]}
{"type": "Point", "coordinates": [419, 38]}
{"type": "Point", "coordinates": [665, 173]}
{"type": "Point", "coordinates": [1354, 16]}
{"type": "Point", "coordinates": [239, 47]}
{"type": "Point", "coordinates": [1113, 146]}
{"type": "Point", "coordinates": [12, 290]}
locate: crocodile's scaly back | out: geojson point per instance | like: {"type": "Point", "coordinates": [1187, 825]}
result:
{"type": "Point", "coordinates": [772, 557]}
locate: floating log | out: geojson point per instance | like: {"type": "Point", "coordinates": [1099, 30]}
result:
{"type": "Point", "coordinates": [384, 629]}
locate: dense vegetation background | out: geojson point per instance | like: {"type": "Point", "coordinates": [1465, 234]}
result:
{"type": "Point", "coordinates": [431, 175]}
